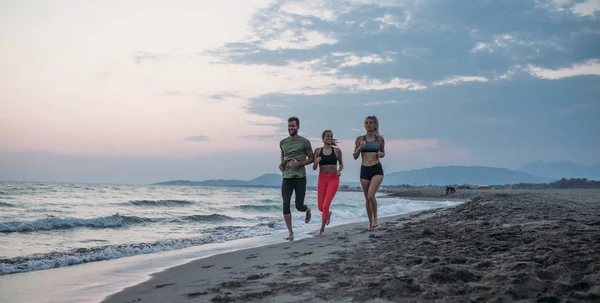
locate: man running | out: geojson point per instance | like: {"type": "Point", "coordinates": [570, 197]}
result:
{"type": "Point", "coordinates": [296, 153]}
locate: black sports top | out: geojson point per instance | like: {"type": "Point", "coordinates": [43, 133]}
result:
{"type": "Point", "coordinates": [330, 159]}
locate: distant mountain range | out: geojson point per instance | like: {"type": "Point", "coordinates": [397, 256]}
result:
{"type": "Point", "coordinates": [536, 172]}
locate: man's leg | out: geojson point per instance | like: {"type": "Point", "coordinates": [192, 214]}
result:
{"type": "Point", "coordinates": [300, 188]}
{"type": "Point", "coordinates": [286, 194]}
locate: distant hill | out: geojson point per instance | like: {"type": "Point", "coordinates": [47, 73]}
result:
{"type": "Point", "coordinates": [474, 175]}
{"type": "Point", "coordinates": [439, 175]}
{"type": "Point", "coordinates": [558, 170]}
{"type": "Point", "coordinates": [268, 180]}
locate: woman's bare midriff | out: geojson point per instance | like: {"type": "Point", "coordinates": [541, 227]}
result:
{"type": "Point", "coordinates": [369, 159]}
{"type": "Point", "coordinates": [328, 169]}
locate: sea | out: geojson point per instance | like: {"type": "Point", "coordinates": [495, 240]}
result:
{"type": "Point", "coordinates": [53, 225]}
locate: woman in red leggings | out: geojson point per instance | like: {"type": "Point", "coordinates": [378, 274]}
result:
{"type": "Point", "coordinates": [327, 158]}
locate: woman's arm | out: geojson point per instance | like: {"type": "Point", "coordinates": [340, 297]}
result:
{"type": "Point", "coordinates": [381, 152]}
{"type": "Point", "coordinates": [340, 161]}
{"type": "Point", "coordinates": [357, 148]}
{"type": "Point", "coordinates": [316, 158]}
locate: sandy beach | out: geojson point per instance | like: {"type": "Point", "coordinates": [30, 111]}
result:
{"type": "Point", "coordinates": [530, 246]}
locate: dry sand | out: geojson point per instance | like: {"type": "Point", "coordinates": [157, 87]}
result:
{"type": "Point", "coordinates": [535, 246]}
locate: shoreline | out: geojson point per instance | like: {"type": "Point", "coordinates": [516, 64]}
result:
{"type": "Point", "coordinates": [499, 246]}
{"type": "Point", "coordinates": [95, 281]}
{"type": "Point", "coordinates": [249, 257]}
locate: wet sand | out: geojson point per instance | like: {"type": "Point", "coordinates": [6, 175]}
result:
{"type": "Point", "coordinates": [530, 246]}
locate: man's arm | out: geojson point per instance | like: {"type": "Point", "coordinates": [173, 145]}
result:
{"type": "Point", "coordinates": [281, 167]}
{"type": "Point", "coordinates": [309, 154]}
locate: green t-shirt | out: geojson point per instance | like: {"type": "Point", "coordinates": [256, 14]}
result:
{"type": "Point", "coordinates": [298, 149]}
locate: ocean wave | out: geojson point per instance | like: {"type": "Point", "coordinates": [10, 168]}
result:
{"type": "Point", "coordinates": [57, 259]}
{"type": "Point", "coordinates": [258, 207]}
{"type": "Point", "coordinates": [114, 221]}
{"type": "Point", "coordinates": [159, 203]}
{"type": "Point", "coordinates": [4, 204]}
{"type": "Point", "coordinates": [68, 223]}
{"type": "Point", "coordinates": [207, 218]}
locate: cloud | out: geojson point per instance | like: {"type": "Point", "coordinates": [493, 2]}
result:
{"type": "Point", "coordinates": [587, 8]}
{"type": "Point", "coordinates": [199, 138]}
{"type": "Point", "coordinates": [518, 46]}
{"type": "Point", "coordinates": [298, 39]}
{"type": "Point", "coordinates": [354, 60]}
{"type": "Point", "coordinates": [223, 95]}
{"type": "Point", "coordinates": [589, 67]}
{"type": "Point", "coordinates": [398, 22]}
{"type": "Point", "coordinates": [141, 56]}
{"type": "Point", "coordinates": [458, 79]}
{"type": "Point", "coordinates": [387, 102]}
{"type": "Point", "coordinates": [316, 9]}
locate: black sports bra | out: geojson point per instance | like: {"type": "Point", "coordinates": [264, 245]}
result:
{"type": "Point", "coordinates": [330, 159]}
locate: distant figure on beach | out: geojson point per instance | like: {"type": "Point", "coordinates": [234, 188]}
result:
{"type": "Point", "coordinates": [296, 153]}
{"type": "Point", "coordinates": [449, 190]}
{"type": "Point", "coordinates": [372, 148]}
{"type": "Point", "coordinates": [327, 158]}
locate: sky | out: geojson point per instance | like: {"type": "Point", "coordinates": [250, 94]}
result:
{"type": "Point", "coordinates": [149, 91]}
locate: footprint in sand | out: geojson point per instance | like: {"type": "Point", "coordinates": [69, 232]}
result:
{"type": "Point", "coordinates": [251, 256]}
{"type": "Point", "coordinates": [296, 254]}
{"type": "Point", "coordinates": [196, 294]}
{"type": "Point", "coordinates": [163, 285]}
{"type": "Point", "coordinates": [208, 266]}
{"type": "Point", "coordinates": [257, 276]}
{"type": "Point", "coordinates": [227, 267]}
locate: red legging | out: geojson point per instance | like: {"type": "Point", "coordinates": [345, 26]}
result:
{"type": "Point", "coordinates": [326, 189]}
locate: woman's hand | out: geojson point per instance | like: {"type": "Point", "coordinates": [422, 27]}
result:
{"type": "Point", "coordinates": [316, 163]}
{"type": "Point", "coordinates": [294, 163]}
{"type": "Point", "coordinates": [380, 155]}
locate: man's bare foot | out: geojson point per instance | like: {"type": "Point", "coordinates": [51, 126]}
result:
{"type": "Point", "coordinates": [369, 227]}
{"type": "Point", "coordinates": [308, 215]}
{"type": "Point", "coordinates": [290, 237]}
